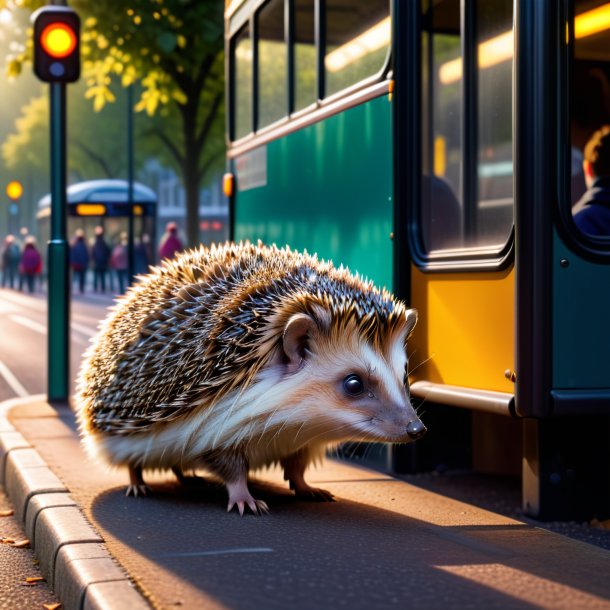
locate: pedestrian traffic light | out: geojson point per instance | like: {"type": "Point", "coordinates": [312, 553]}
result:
{"type": "Point", "coordinates": [56, 44]}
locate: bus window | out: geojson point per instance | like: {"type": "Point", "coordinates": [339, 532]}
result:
{"type": "Point", "coordinates": [242, 83]}
{"type": "Point", "coordinates": [358, 37]}
{"type": "Point", "coordinates": [305, 86]}
{"type": "Point", "coordinates": [590, 120]}
{"type": "Point", "coordinates": [442, 137]}
{"type": "Point", "coordinates": [272, 64]}
{"type": "Point", "coordinates": [467, 189]}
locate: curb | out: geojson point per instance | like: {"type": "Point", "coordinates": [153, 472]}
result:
{"type": "Point", "coordinates": [72, 555]}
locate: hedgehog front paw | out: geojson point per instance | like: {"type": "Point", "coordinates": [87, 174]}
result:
{"type": "Point", "coordinates": [240, 496]}
{"type": "Point", "coordinates": [258, 507]}
{"type": "Point", "coordinates": [137, 490]}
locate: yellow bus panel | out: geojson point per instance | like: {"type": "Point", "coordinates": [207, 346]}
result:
{"type": "Point", "coordinates": [465, 332]}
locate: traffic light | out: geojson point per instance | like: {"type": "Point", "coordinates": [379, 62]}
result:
{"type": "Point", "coordinates": [56, 44]}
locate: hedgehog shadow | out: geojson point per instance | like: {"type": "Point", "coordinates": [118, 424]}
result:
{"type": "Point", "coordinates": [374, 554]}
{"type": "Point", "coordinates": [205, 490]}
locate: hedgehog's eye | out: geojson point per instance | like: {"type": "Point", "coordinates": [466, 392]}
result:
{"type": "Point", "coordinates": [353, 385]}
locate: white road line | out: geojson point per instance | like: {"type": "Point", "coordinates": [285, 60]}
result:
{"type": "Point", "coordinates": [42, 329]}
{"type": "Point", "coordinates": [218, 552]}
{"type": "Point", "coordinates": [12, 381]}
{"type": "Point", "coordinates": [39, 328]}
{"type": "Point", "coordinates": [24, 301]}
{"type": "Point", "coordinates": [85, 330]}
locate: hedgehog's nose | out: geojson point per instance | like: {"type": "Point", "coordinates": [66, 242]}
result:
{"type": "Point", "coordinates": [415, 429]}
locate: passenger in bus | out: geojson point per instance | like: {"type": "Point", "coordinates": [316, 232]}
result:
{"type": "Point", "coordinates": [441, 219]}
{"type": "Point", "coordinates": [100, 253]}
{"type": "Point", "coordinates": [119, 262]}
{"type": "Point", "coordinates": [170, 242]}
{"type": "Point", "coordinates": [79, 258]}
{"type": "Point", "coordinates": [11, 254]}
{"type": "Point", "coordinates": [592, 212]}
{"type": "Point", "coordinates": [30, 266]}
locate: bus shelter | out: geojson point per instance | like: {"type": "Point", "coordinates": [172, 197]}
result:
{"type": "Point", "coordinates": [105, 203]}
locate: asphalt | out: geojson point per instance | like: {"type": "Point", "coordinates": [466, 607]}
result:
{"type": "Point", "coordinates": [385, 542]}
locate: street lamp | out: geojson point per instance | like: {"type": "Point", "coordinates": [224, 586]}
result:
{"type": "Point", "coordinates": [14, 190]}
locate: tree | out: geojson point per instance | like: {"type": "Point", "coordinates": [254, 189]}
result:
{"type": "Point", "coordinates": [174, 48]}
{"type": "Point", "coordinates": [91, 153]}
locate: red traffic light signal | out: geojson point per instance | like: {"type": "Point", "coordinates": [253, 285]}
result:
{"type": "Point", "coordinates": [56, 44]}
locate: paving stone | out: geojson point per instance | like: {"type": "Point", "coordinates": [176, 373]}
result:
{"type": "Point", "coordinates": [26, 476]}
{"type": "Point", "coordinates": [120, 595]}
{"type": "Point", "coordinates": [8, 442]}
{"type": "Point", "coordinates": [56, 527]}
{"type": "Point", "coordinates": [73, 576]}
{"type": "Point", "coordinates": [41, 502]}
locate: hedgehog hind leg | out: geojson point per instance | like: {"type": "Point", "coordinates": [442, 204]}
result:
{"type": "Point", "coordinates": [294, 472]}
{"type": "Point", "coordinates": [136, 486]}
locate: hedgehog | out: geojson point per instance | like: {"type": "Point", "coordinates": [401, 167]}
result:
{"type": "Point", "coordinates": [240, 356]}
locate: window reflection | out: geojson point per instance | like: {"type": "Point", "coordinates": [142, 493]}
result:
{"type": "Point", "coordinates": [358, 36]}
{"type": "Point", "coordinates": [305, 83]}
{"type": "Point", "coordinates": [243, 83]}
{"type": "Point", "coordinates": [481, 215]}
{"type": "Point", "coordinates": [272, 64]}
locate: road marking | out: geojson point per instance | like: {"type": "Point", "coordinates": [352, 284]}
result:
{"type": "Point", "coordinates": [85, 330]}
{"type": "Point", "coordinates": [218, 552]}
{"type": "Point", "coordinates": [12, 381]}
{"type": "Point", "coordinates": [31, 302]}
{"type": "Point", "coordinates": [42, 329]}
{"type": "Point", "coordinates": [39, 328]}
{"type": "Point", "coordinates": [6, 308]}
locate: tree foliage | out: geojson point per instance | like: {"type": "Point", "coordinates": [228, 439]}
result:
{"type": "Point", "coordinates": [96, 141]}
{"type": "Point", "coordinates": [174, 50]}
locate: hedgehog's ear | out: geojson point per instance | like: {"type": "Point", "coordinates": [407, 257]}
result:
{"type": "Point", "coordinates": [295, 341]}
{"type": "Point", "coordinates": [411, 319]}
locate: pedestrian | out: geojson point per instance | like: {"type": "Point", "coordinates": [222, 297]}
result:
{"type": "Point", "coordinates": [11, 256]}
{"type": "Point", "coordinates": [170, 242]}
{"type": "Point", "coordinates": [119, 261]}
{"type": "Point", "coordinates": [100, 253]}
{"type": "Point", "coordinates": [142, 254]}
{"type": "Point", "coordinates": [79, 258]}
{"type": "Point", "coordinates": [31, 262]}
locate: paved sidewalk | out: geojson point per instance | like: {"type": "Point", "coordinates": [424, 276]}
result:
{"type": "Point", "coordinates": [383, 544]}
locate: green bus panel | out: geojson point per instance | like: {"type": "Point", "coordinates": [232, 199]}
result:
{"type": "Point", "coordinates": [581, 321]}
{"type": "Point", "coordinates": [326, 188]}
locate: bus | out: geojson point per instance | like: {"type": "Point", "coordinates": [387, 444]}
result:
{"type": "Point", "coordinates": [436, 147]}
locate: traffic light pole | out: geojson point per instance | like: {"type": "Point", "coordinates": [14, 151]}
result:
{"type": "Point", "coordinates": [58, 256]}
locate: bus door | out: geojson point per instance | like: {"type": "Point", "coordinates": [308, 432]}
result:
{"type": "Point", "coordinates": [460, 217]}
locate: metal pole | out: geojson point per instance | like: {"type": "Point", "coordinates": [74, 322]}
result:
{"type": "Point", "coordinates": [58, 255]}
{"type": "Point", "coordinates": [130, 202]}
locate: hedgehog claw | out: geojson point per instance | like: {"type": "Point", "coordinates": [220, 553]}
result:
{"type": "Point", "coordinates": [240, 496]}
{"type": "Point", "coordinates": [137, 490]}
{"type": "Point", "coordinates": [258, 507]}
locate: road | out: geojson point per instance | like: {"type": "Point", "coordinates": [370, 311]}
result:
{"type": "Point", "coordinates": [23, 343]}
